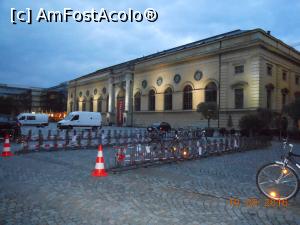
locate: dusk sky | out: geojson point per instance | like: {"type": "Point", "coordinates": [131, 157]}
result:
{"type": "Point", "coordinates": [46, 54]}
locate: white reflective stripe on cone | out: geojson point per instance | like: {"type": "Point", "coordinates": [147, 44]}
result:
{"type": "Point", "coordinates": [6, 141]}
{"type": "Point", "coordinates": [6, 149]}
{"type": "Point", "coordinates": [99, 166]}
{"type": "Point", "coordinates": [100, 154]}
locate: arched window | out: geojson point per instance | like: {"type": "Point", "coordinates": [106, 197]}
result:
{"type": "Point", "coordinates": [187, 97]}
{"type": "Point", "coordinates": [151, 102]}
{"type": "Point", "coordinates": [168, 99]}
{"type": "Point", "coordinates": [211, 92]}
{"type": "Point", "coordinates": [71, 106]}
{"type": "Point", "coordinates": [91, 105]}
{"type": "Point", "coordinates": [137, 101]}
{"type": "Point", "coordinates": [99, 108]}
{"type": "Point", "coordinates": [284, 94]}
{"type": "Point", "coordinates": [77, 105]}
{"type": "Point", "coordinates": [83, 105]}
{"type": "Point", "coordinates": [269, 88]}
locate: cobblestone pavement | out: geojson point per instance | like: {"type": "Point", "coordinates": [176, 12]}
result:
{"type": "Point", "coordinates": [56, 188]}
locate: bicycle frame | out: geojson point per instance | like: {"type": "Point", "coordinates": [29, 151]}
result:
{"type": "Point", "coordinates": [289, 158]}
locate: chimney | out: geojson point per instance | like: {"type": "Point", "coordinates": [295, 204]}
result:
{"type": "Point", "coordinates": [269, 32]}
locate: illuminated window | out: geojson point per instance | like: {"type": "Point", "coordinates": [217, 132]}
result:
{"type": "Point", "coordinates": [187, 97]}
{"type": "Point", "coordinates": [91, 105]}
{"type": "Point", "coordinates": [151, 100]}
{"type": "Point", "coordinates": [239, 98]}
{"type": "Point", "coordinates": [83, 105]}
{"type": "Point", "coordinates": [168, 99]}
{"type": "Point", "coordinates": [100, 101]}
{"type": "Point", "coordinates": [137, 101]}
{"type": "Point", "coordinates": [77, 105]}
{"type": "Point", "coordinates": [211, 92]}
{"type": "Point", "coordinates": [239, 69]}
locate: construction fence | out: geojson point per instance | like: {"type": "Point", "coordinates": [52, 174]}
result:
{"type": "Point", "coordinates": [125, 149]}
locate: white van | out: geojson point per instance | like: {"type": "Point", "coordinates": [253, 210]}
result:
{"type": "Point", "coordinates": [81, 119]}
{"type": "Point", "coordinates": [33, 119]}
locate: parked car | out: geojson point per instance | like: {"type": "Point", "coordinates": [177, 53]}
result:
{"type": "Point", "coordinates": [9, 126]}
{"type": "Point", "coordinates": [33, 119]}
{"type": "Point", "coordinates": [159, 126]}
{"type": "Point", "coordinates": [81, 119]}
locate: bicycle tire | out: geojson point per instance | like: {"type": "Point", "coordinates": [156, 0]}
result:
{"type": "Point", "coordinates": [273, 187]}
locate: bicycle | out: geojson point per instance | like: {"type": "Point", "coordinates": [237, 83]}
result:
{"type": "Point", "coordinates": [278, 180]}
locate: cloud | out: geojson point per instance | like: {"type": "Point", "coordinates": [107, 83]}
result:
{"type": "Point", "coordinates": [46, 54]}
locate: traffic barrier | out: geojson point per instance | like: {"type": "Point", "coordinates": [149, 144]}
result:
{"type": "Point", "coordinates": [34, 147]}
{"type": "Point", "coordinates": [99, 170]}
{"type": "Point", "coordinates": [144, 148]}
{"type": "Point", "coordinates": [6, 147]}
{"type": "Point", "coordinates": [47, 146]}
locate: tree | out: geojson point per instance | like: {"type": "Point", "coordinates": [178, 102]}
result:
{"type": "Point", "coordinates": [293, 110]}
{"type": "Point", "coordinates": [251, 122]}
{"type": "Point", "coordinates": [266, 116]}
{"type": "Point", "coordinates": [209, 110]}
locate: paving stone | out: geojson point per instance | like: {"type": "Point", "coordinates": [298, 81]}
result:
{"type": "Point", "coordinates": [56, 188]}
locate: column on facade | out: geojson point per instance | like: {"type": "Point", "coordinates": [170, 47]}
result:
{"type": "Point", "coordinates": [111, 101]}
{"type": "Point", "coordinates": [128, 99]}
{"type": "Point", "coordinates": [128, 94]}
{"type": "Point", "coordinates": [111, 94]}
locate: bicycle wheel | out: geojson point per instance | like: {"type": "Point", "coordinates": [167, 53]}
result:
{"type": "Point", "coordinates": [277, 182]}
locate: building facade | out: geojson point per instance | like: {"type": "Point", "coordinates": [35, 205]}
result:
{"type": "Point", "coordinates": [17, 98]}
{"type": "Point", "coordinates": [240, 71]}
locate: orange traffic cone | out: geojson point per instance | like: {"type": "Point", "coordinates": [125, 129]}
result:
{"type": "Point", "coordinates": [6, 147]}
{"type": "Point", "coordinates": [99, 170]}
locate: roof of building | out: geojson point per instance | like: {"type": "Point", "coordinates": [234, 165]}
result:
{"type": "Point", "coordinates": [165, 52]}
{"type": "Point", "coordinates": [183, 47]}
{"type": "Point", "coordinates": [18, 86]}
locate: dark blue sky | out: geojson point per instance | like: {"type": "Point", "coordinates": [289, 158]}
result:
{"type": "Point", "coordinates": [44, 54]}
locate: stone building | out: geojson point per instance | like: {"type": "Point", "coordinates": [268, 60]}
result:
{"type": "Point", "coordinates": [20, 98]}
{"type": "Point", "coordinates": [239, 70]}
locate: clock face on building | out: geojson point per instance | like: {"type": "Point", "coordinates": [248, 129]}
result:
{"type": "Point", "coordinates": [177, 78]}
{"type": "Point", "coordinates": [159, 81]}
{"type": "Point", "coordinates": [198, 75]}
{"type": "Point", "coordinates": [144, 84]}
{"type": "Point", "coordinates": [95, 91]}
